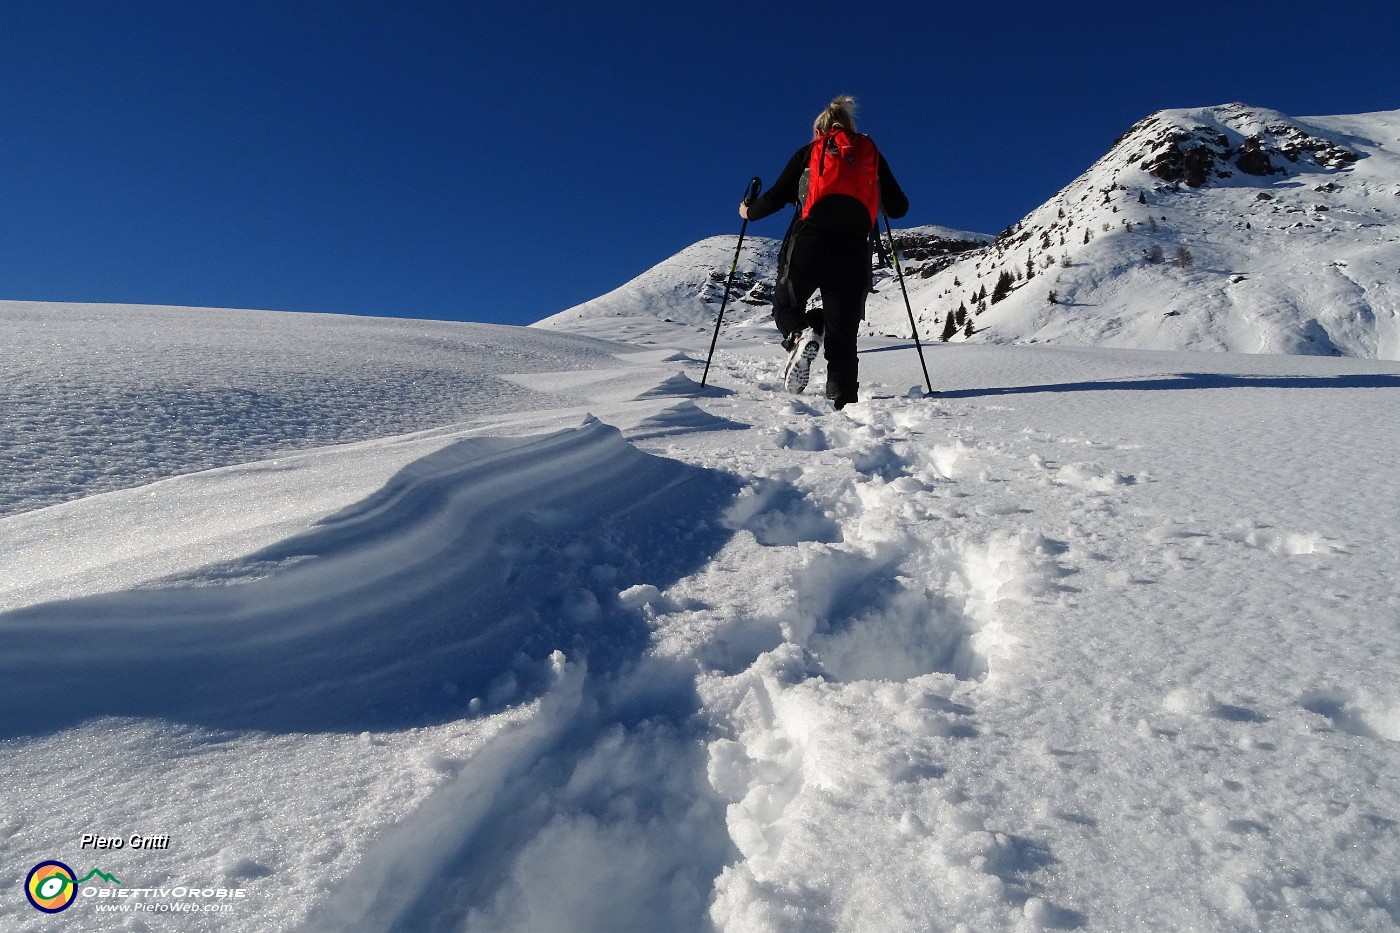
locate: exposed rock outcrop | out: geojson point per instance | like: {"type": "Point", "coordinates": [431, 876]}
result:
{"type": "Point", "coordinates": [1254, 158]}
{"type": "Point", "coordinates": [1257, 143]}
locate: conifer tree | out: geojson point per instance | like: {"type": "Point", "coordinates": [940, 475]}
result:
{"type": "Point", "coordinates": [1003, 286]}
{"type": "Point", "coordinates": [950, 328]}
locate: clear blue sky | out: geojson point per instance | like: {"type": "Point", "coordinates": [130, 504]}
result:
{"type": "Point", "coordinates": [500, 162]}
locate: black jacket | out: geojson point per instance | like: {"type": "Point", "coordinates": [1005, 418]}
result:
{"type": "Point", "coordinates": [838, 213]}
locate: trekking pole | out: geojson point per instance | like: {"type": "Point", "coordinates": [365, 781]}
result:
{"type": "Point", "coordinates": [749, 194]}
{"type": "Point", "coordinates": [914, 328]}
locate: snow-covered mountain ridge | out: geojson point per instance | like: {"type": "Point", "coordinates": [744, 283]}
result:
{"type": "Point", "coordinates": [1219, 228]}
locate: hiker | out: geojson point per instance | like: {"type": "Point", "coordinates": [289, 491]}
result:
{"type": "Point", "coordinates": [840, 183]}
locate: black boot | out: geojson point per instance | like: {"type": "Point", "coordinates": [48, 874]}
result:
{"type": "Point", "coordinates": [842, 395]}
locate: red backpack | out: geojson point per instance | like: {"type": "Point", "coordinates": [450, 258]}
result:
{"type": "Point", "coordinates": [844, 163]}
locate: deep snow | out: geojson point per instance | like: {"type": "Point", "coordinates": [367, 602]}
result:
{"type": "Point", "coordinates": [1098, 639]}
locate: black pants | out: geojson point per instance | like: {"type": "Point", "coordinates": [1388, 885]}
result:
{"type": "Point", "coordinates": [839, 265]}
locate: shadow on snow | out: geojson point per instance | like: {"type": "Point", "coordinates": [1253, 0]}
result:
{"type": "Point", "coordinates": [454, 581]}
{"type": "Point", "coordinates": [1192, 381]}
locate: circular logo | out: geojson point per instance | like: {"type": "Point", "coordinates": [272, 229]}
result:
{"type": "Point", "coordinates": [51, 887]}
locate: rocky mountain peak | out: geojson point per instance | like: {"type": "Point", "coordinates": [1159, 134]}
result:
{"type": "Point", "coordinates": [1197, 147]}
{"type": "Point", "coordinates": [1229, 227]}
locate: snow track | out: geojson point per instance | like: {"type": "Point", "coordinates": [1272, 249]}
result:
{"type": "Point", "coordinates": [883, 630]}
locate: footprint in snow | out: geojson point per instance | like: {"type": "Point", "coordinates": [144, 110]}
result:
{"type": "Point", "coordinates": [811, 438]}
{"type": "Point", "coordinates": [1355, 714]}
{"type": "Point", "coordinates": [1283, 543]}
{"type": "Point", "coordinates": [1092, 478]}
{"type": "Point", "coordinates": [777, 514]}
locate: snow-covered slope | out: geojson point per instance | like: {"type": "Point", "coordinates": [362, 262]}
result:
{"type": "Point", "coordinates": [1219, 228]}
{"type": "Point", "coordinates": [102, 397]}
{"type": "Point", "coordinates": [688, 288]}
{"type": "Point", "coordinates": [1099, 639]}
{"type": "Point", "coordinates": [1222, 228]}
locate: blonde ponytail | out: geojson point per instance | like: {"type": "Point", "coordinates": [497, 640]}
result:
{"type": "Point", "coordinates": [841, 111]}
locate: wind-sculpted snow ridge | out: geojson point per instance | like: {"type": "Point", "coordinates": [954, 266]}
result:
{"type": "Point", "coordinates": [474, 598]}
{"type": "Point", "coordinates": [365, 622]}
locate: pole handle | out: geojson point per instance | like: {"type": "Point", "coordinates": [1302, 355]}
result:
{"type": "Point", "coordinates": [751, 193]}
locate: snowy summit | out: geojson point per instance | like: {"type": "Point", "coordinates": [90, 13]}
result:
{"type": "Point", "coordinates": [331, 623]}
{"type": "Point", "coordinates": [1222, 228]}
